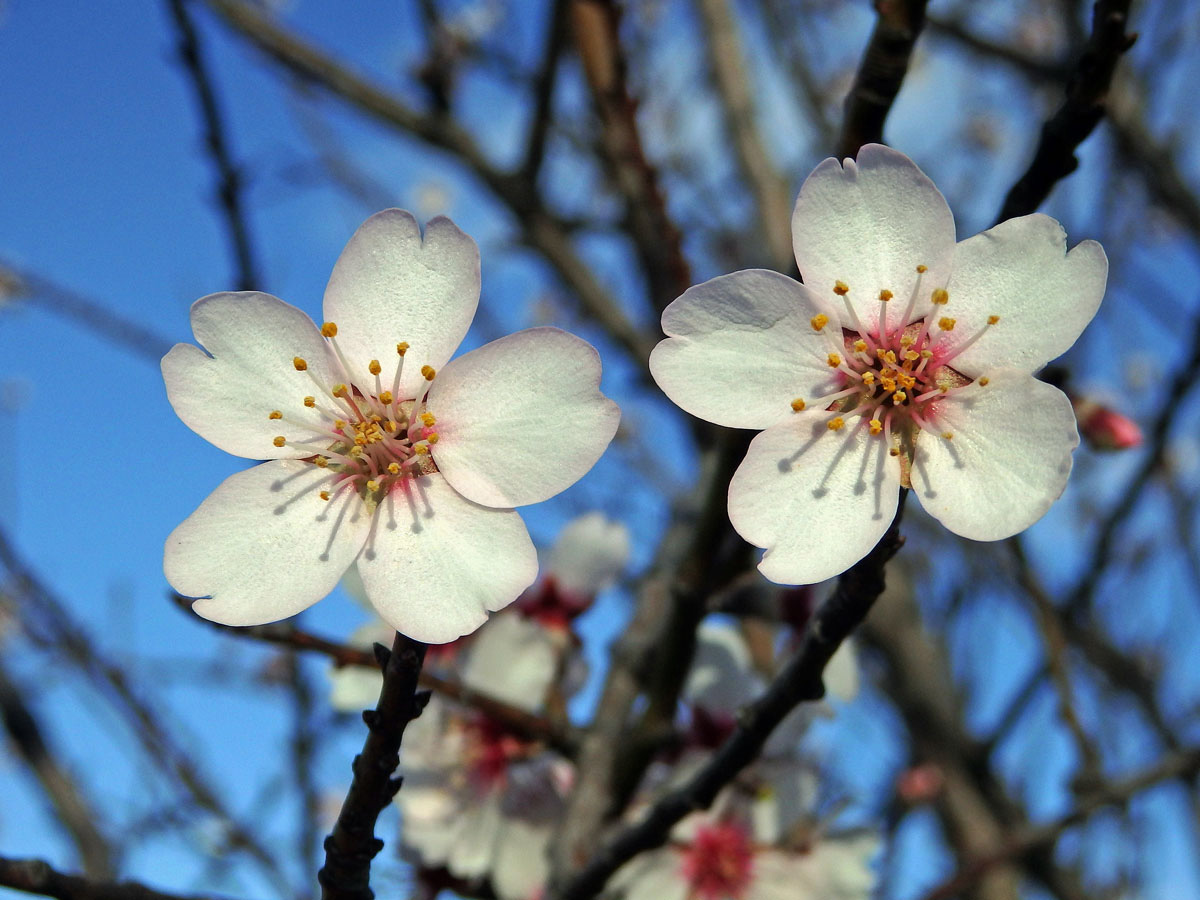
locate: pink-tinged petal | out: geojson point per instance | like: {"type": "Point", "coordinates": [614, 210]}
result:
{"type": "Point", "coordinates": [740, 348]}
{"type": "Point", "coordinates": [869, 223]}
{"type": "Point", "coordinates": [521, 418]}
{"type": "Point", "coordinates": [1021, 271]}
{"type": "Point", "coordinates": [437, 563]}
{"type": "Point", "coordinates": [391, 285]}
{"type": "Point", "coordinates": [263, 546]}
{"type": "Point", "coordinates": [1008, 459]}
{"type": "Point", "coordinates": [513, 660]}
{"type": "Point", "coordinates": [817, 500]}
{"type": "Point", "coordinates": [227, 394]}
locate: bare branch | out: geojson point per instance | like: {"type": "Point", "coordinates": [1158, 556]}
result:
{"type": "Point", "coordinates": [35, 876]}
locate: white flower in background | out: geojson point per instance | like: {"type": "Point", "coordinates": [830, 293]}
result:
{"type": "Point", "coordinates": [381, 448]}
{"type": "Point", "coordinates": [589, 554]}
{"type": "Point", "coordinates": [904, 359]}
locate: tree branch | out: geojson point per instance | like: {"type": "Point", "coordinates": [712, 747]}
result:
{"type": "Point", "coordinates": [35, 876]}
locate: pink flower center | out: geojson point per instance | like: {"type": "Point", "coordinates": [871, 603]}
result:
{"type": "Point", "coordinates": [718, 864]}
{"type": "Point", "coordinates": [370, 438]}
{"type": "Point", "coordinates": [891, 378]}
{"type": "Point", "coordinates": [491, 751]}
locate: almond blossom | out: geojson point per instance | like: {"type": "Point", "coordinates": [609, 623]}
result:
{"type": "Point", "coordinates": [903, 360]}
{"type": "Point", "coordinates": [381, 450]}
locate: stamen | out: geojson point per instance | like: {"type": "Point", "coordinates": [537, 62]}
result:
{"type": "Point", "coordinates": [374, 367]}
{"type": "Point", "coordinates": [875, 426]}
{"type": "Point", "coordinates": [836, 423]}
{"type": "Point", "coordinates": [429, 372]}
{"type": "Point", "coordinates": [983, 382]}
{"type": "Point", "coordinates": [819, 321]}
{"type": "Point", "coordinates": [300, 364]}
{"type": "Point", "coordinates": [279, 441]}
{"type": "Point", "coordinates": [310, 402]}
{"type": "Point", "coordinates": [991, 320]}
{"type": "Point", "coordinates": [798, 405]}
{"type": "Point", "coordinates": [833, 360]}
{"type": "Point", "coordinates": [275, 414]}
{"type": "Point", "coordinates": [329, 329]}
{"type": "Point", "coordinates": [843, 290]}
{"type": "Point", "coordinates": [427, 419]}
{"type": "Point", "coordinates": [884, 296]}
{"type": "Point", "coordinates": [945, 323]}
{"type": "Point", "coordinates": [324, 495]}
{"type": "Point", "coordinates": [912, 299]}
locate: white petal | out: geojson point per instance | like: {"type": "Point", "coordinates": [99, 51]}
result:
{"type": "Point", "coordinates": [1021, 271]}
{"type": "Point", "coordinates": [817, 500]}
{"type": "Point", "coordinates": [479, 830]}
{"type": "Point", "coordinates": [263, 546]}
{"type": "Point", "coordinates": [226, 398]}
{"type": "Point", "coordinates": [513, 660]}
{"type": "Point", "coordinates": [740, 348]}
{"type": "Point", "coordinates": [722, 678]}
{"type": "Point", "coordinates": [869, 224]}
{"type": "Point", "coordinates": [521, 418]}
{"type": "Point", "coordinates": [354, 688]}
{"type": "Point", "coordinates": [437, 563]}
{"type": "Point", "coordinates": [589, 554]}
{"type": "Point", "coordinates": [521, 867]}
{"type": "Point", "coordinates": [389, 286]}
{"type": "Point", "coordinates": [1008, 460]}
{"type": "Point", "coordinates": [841, 673]}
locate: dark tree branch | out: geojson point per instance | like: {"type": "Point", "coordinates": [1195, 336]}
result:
{"type": "Point", "coordinates": [230, 188]}
{"type": "Point", "coordinates": [881, 72]}
{"type": "Point", "coordinates": [352, 845]}
{"type": "Point", "coordinates": [35, 876]}
{"type": "Point", "coordinates": [799, 681]}
{"type": "Point", "coordinates": [543, 93]}
{"type": "Point", "coordinates": [1083, 108]}
{"type": "Point", "coordinates": [72, 809]}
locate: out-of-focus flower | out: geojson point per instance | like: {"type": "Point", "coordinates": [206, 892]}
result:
{"type": "Point", "coordinates": [1105, 428]}
{"type": "Point", "coordinates": [903, 360]}
{"type": "Point", "coordinates": [381, 448]}
{"type": "Point", "coordinates": [589, 554]}
{"type": "Point", "coordinates": [920, 783]}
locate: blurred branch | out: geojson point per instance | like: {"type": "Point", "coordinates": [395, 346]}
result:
{"type": "Point", "coordinates": [1083, 108]}
{"type": "Point", "coordinates": [555, 734]}
{"type": "Point", "coordinates": [540, 229]}
{"type": "Point", "coordinates": [230, 188]}
{"type": "Point", "coordinates": [304, 754]}
{"type": "Point", "coordinates": [656, 240]}
{"type": "Point", "coordinates": [35, 876]}
{"type": "Point", "coordinates": [72, 809]}
{"type": "Point", "coordinates": [543, 92]}
{"type": "Point", "coordinates": [38, 608]}
{"type": "Point", "coordinates": [799, 680]}
{"type": "Point", "coordinates": [1042, 837]}
{"type": "Point", "coordinates": [352, 844]}
{"type": "Point", "coordinates": [881, 72]}
{"type": "Point", "coordinates": [767, 183]}
{"type": "Point", "coordinates": [24, 286]}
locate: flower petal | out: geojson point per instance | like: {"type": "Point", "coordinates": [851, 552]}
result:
{"type": "Point", "coordinates": [438, 563]}
{"type": "Point", "coordinates": [589, 554]}
{"type": "Point", "coordinates": [1021, 271]}
{"type": "Point", "coordinates": [513, 660]}
{"type": "Point", "coordinates": [869, 224]}
{"type": "Point", "coordinates": [816, 499]}
{"type": "Point", "coordinates": [521, 418]}
{"type": "Point", "coordinates": [740, 348]}
{"type": "Point", "coordinates": [390, 285]}
{"type": "Point", "coordinates": [1008, 460]}
{"type": "Point", "coordinates": [263, 546]}
{"type": "Point", "coordinates": [226, 397]}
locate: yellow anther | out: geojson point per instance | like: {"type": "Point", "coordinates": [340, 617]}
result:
{"type": "Point", "coordinates": [320, 462]}
{"type": "Point", "coordinates": [911, 355]}
{"type": "Point", "coordinates": [394, 468]}
{"type": "Point", "coordinates": [899, 397]}
{"type": "Point", "coordinates": [834, 360]}
{"type": "Point", "coordinates": [421, 449]}
{"type": "Point", "coordinates": [868, 377]}
{"type": "Point", "coordinates": [310, 402]}
{"type": "Point", "coordinates": [895, 451]}
{"type": "Point", "coordinates": [279, 441]}
{"type": "Point", "coordinates": [860, 346]}
{"type": "Point", "coordinates": [906, 381]}
{"type": "Point", "coordinates": [890, 356]}
{"type": "Point", "coordinates": [948, 435]}
{"type": "Point", "coordinates": [433, 437]}
{"type": "Point", "coordinates": [355, 451]}
{"type": "Point", "coordinates": [386, 398]}
{"type": "Point", "coordinates": [841, 288]}
{"type": "Point", "coordinates": [941, 297]}
{"type": "Point", "coordinates": [875, 426]}
{"type": "Point", "coordinates": [339, 390]}
{"type": "Point", "coordinates": [946, 323]}
{"type": "Point", "coordinates": [389, 425]}
{"type": "Point", "coordinates": [889, 384]}
{"type": "Point", "coordinates": [402, 347]}
{"type": "Point", "coordinates": [819, 321]}
{"type": "Point", "coordinates": [992, 320]}
{"type": "Point", "coordinates": [374, 367]}
{"type": "Point", "coordinates": [372, 485]}
{"type": "Point", "coordinates": [427, 419]}
{"type": "Point", "coordinates": [324, 495]}
{"type": "Point", "coordinates": [984, 381]}
{"type": "Point", "coordinates": [329, 329]}
{"type": "Point", "coordinates": [299, 363]}
{"type": "Point", "coordinates": [922, 269]}
{"type": "Point", "coordinates": [885, 295]}
{"type": "Point", "coordinates": [925, 354]}
{"type": "Point", "coordinates": [275, 414]}
{"type": "Point", "coordinates": [836, 423]}
{"type": "Point", "coordinates": [339, 424]}
{"type": "Point", "coordinates": [907, 341]}
{"type": "Point", "coordinates": [798, 405]}
{"type": "Point", "coordinates": [428, 372]}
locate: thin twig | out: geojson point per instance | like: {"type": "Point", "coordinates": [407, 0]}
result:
{"type": "Point", "coordinates": [352, 844]}
{"type": "Point", "coordinates": [35, 876]}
